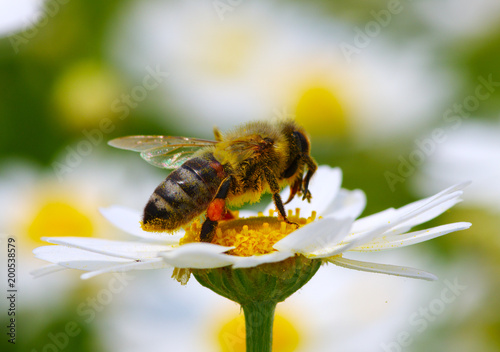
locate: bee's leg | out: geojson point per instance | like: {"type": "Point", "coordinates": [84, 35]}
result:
{"type": "Point", "coordinates": [217, 134]}
{"type": "Point", "coordinates": [275, 190]}
{"type": "Point", "coordinates": [311, 169]}
{"type": "Point", "coordinates": [294, 189]}
{"type": "Point", "coordinates": [207, 230]}
{"type": "Point", "coordinates": [215, 211]}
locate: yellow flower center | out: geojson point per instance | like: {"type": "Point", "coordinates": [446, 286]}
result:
{"type": "Point", "coordinates": [59, 219]}
{"type": "Point", "coordinates": [250, 236]}
{"type": "Point", "coordinates": [232, 335]}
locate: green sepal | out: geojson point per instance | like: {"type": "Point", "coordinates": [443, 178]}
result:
{"type": "Point", "coordinates": [267, 282]}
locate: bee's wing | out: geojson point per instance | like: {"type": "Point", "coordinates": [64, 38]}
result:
{"type": "Point", "coordinates": [169, 157]}
{"type": "Point", "coordinates": [242, 149]}
{"type": "Point", "coordinates": [168, 152]}
{"type": "Point", "coordinates": [142, 143]}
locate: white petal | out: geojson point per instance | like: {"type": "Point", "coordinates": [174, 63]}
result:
{"type": "Point", "coordinates": [413, 213]}
{"type": "Point", "coordinates": [374, 220]}
{"type": "Point", "coordinates": [47, 269]}
{"type": "Point", "coordinates": [121, 249]}
{"type": "Point", "coordinates": [151, 264]}
{"type": "Point", "coordinates": [433, 205]}
{"type": "Point", "coordinates": [247, 262]}
{"type": "Point", "coordinates": [75, 258]}
{"type": "Point", "coordinates": [348, 242]}
{"type": "Point", "coordinates": [450, 190]}
{"type": "Point", "coordinates": [198, 256]}
{"type": "Point", "coordinates": [399, 218]}
{"type": "Point", "coordinates": [389, 242]}
{"type": "Point", "coordinates": [347, 204]}
{"type": "Point", "coordinates": [431, 213]}
{"type": "Point", "coordinates": [397, 230]}
{"type": "Point", "coordinates": [316, 236]}
{"type": "Point", "coordinates": [324, 187]}
{"type": "Point", "coordinates": [382, 268]}
{"type": "Point", "coordinates": [128, 220]}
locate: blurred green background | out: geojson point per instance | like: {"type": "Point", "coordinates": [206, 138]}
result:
{"type": "Point", "coordinates": [371, 82]}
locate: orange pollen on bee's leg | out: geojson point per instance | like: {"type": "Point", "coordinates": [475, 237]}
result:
{"type": "Point", "coordinates": [216, 209]}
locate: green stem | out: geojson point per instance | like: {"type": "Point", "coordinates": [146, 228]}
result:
{"type": "Point", "coordinates": [259, 317]}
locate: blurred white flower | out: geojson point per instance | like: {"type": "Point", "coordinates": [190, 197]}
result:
{"type": "Point", "coordinates": [345, 311]}
{"type": "Point", "coordinates": [471, 152]}
{"type": "Point", "coordinates": [35, 203]}
{"type": "Point", "coordinates": [18, 15]}
{"type": "Point", "coordinates": [264, 59]}
{"type": "Point", "coordinates": [458, 19]}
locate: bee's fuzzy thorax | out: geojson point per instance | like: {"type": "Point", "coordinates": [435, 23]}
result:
{"type": "Point", "coordinates": [261, 128]}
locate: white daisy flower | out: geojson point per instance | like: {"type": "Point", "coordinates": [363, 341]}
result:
{"type": "Point", "coordinates": [472, 152]}
{"type": "Point", "coordinates": [251, 242]}
{"type": "Point", "coordinates": [268, 59]}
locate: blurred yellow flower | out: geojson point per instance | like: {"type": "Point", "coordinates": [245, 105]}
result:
{"type": "Point", "coordinates": [59, 218]}
{"type": "Point", "coordinates": [231, 336]}
{"type": "Point", "coordinates": [321, 113]}
{"type": "Point", "coordinates": [84, 93]}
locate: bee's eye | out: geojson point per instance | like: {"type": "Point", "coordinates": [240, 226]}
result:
{"type": "Point", "coordinates": [302, 142]}
{"type": "Point", "coordinates": [268, 140]}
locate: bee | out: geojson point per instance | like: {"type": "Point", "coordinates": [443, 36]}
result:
{"type": "Point", "coordinates": [236, 168]}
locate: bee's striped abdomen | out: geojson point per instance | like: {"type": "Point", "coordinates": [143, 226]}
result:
{"type": "Point", "coordinates": [184, 194]}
